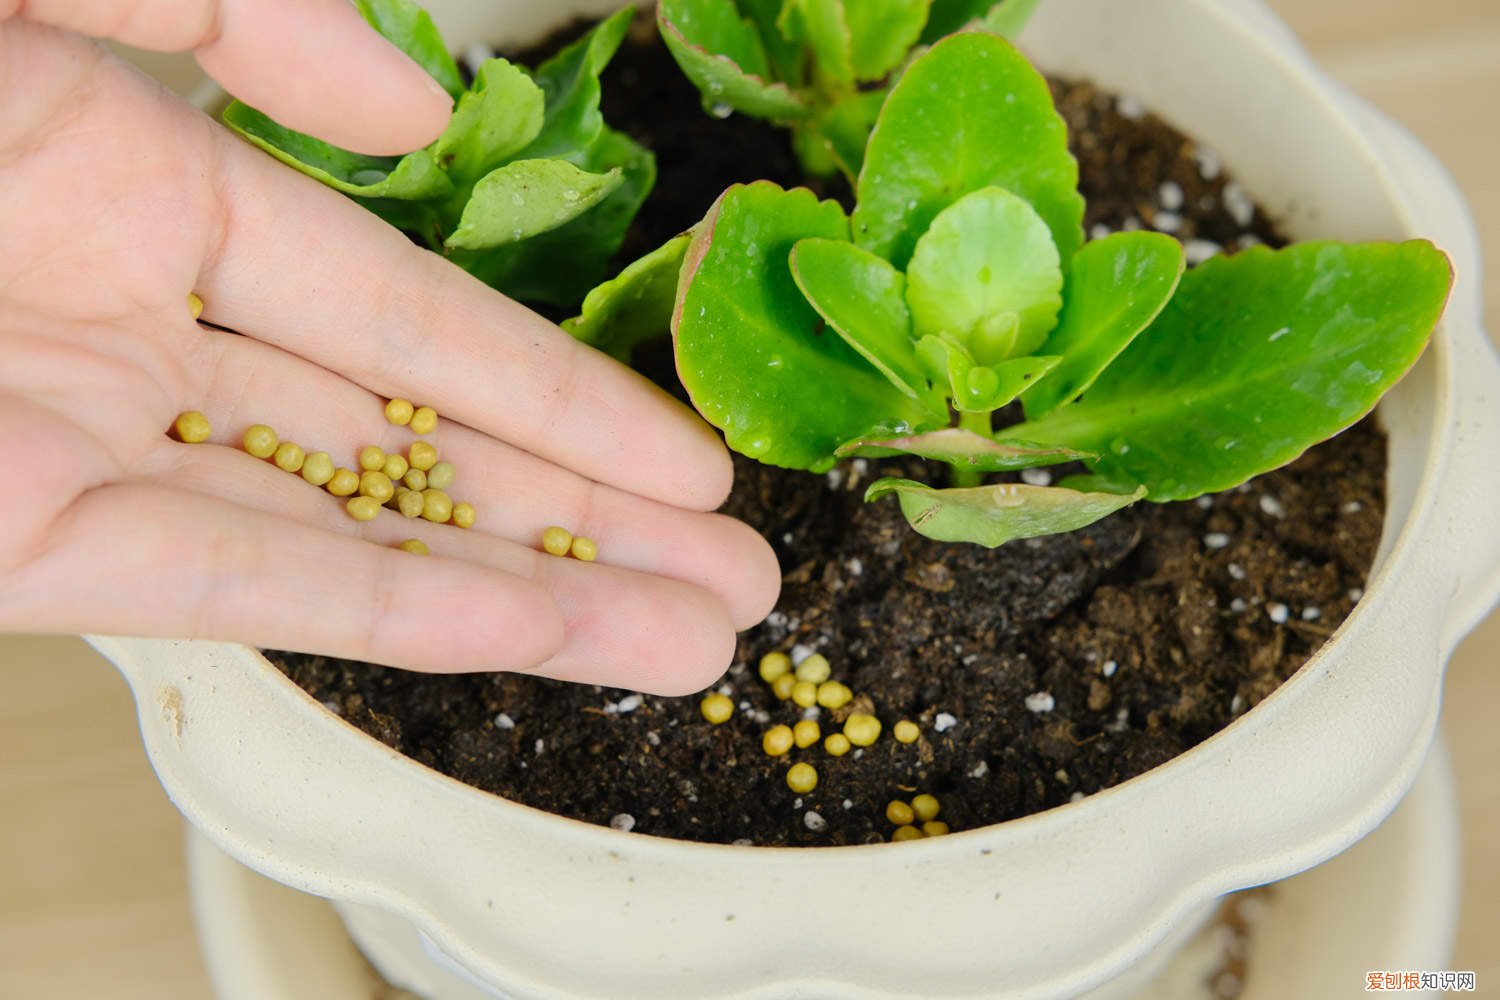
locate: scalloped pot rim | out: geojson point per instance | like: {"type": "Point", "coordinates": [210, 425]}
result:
{"type": "Point", "coordinates": [508, 891]}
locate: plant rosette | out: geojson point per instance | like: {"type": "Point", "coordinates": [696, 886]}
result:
{"type": "Point", "coordinates": [1073, 896]}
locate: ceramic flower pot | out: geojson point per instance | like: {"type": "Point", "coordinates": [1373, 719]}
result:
{"type": "Point", "coordinates": [1051, 905]}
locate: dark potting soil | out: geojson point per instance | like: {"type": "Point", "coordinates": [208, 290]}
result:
{"type": "Point", "coordinates": [1039, 672]}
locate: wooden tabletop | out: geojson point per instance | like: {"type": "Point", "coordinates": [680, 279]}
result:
{"type": "Point", "coordinates": [93, 897]}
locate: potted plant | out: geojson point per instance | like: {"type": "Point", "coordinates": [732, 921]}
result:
{"type": "Point", "coordinates": [506, 891]}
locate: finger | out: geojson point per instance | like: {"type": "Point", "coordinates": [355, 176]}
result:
{"type": "Point", "coordinates": [622, 628]}
{"type": "Point", "coordinates": [313, 65]}
{"type": "Point", "coordinates": [516, 494]}
{"type": "Point", "coordinates": [146, 560]}
{"type": "Point", "coordinates": [303, 269]}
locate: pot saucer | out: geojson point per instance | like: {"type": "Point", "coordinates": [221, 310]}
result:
{"type": "Point", "coordinates": [1390, 903]}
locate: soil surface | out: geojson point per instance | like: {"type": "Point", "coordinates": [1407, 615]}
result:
{"type": "Point", "coordinates": [1038, 673]}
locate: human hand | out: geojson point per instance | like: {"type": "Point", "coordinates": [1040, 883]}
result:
{"type": "Point", "coordinates": [116, 200]}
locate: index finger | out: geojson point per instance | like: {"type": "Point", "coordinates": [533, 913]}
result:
{"type": "Point", "coordinates": [301, 267]}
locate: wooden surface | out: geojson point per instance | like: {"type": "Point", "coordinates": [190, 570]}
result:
{"type": "Point", "coordinates": [93, 898]}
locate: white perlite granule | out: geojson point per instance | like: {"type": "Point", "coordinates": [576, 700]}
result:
{"type": "Point", "coordinates": [1170, 195]}
{"type": "Point", "coordinates": [944, 722]}
{"type": "Point", "coordinates": [503, 721]}
{"type": "Point", "coordinates": [1238, 203]}
{"type": "Point", "coordinates": [980, 769]}
{"type": "Point", "coordinates": [1236, 571]}
{"type": "Point", "coordinates": [1036, 477]}
{"type": "Point", "coordinates": [1166, 222]}
{"type": "Point", "coordinates": [1195, 251]}
{"type": "Point", "coordinates": [1109, 668]}
{"type": "Point", "coordinates": [1311, 614]}
{"type": "Point", "coordinates": [814, 822]}
{"type": "Point", "coordinates": [1216, 540]}
{"type": "Point", "coordinates": [624, 822]}
{"type": "Point", "coordinates": [1041, 701]}
{"type": "Point", "coordinates": [1130, 107]}
{"type": "Point", "coordinates": [1278, 612]}
{"type": "Point", "coordinates": [1271, 506]}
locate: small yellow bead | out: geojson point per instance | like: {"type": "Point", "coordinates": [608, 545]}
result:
{"type": "Point", "coordinates": [371, 458]}
{"type": "Point", "coordinates": [777, 740]}
{"type": "Point", "coordinates": [395, 467]}
{"type": "Point", "coordinates": [837, 744]}
{"type": "Point", "coordinates": [805, 693]}
{"type": "Point", "coordinates": [906, 731]}
{"type": "Point", "coordinates": [806, 733]}
{"type": "Point", "coordinates": [440, 476]}
{"type": "Point", "coordinates": [398, 411]}
{"type": "Point", "coordinates": [261, 441]}
{"type": "Point", "coordinates": [904, 833]}
{"type": "Point", "coordinates": [557, 541]}
{"type": "Point", "coordinates": [376, 484]}
{"type": "Point", "coordinates": [899, 812]}
{"type": "Point", "coordinates": [410, 503]}
{"type": "Point", "coordinates": [935, 828]}
{"type": "Point", "coordinates": [782, 686]}
{"type": "Point", "coordinates": [317, 468]}
{"type": "Point", "coordinates": [925, 806]}
{"type": "Point", "coordinates": [801, 778]}
{"type": "Point", "coordinates": [192, 427]}
{"type": "Point", "coordinates": [421, 455]}
{"type": "Point", "coordinates": [861, 729]}
{"type": "Point", "coordinates": [437, 506]}
{"type": "Point", "coordinates": [363, 508]}
{"type": "Point", "coordinates": [415, 545]}
{"type": "Point", "coordinates": [424, 420]}
{"type": "Point", "coordinates": [415, 479]}
{"type": "Point", "coordinates": [289, 457]}
{"type": "Point", "coordinates": [774, 665]}
{"type": "Point", "coordinates": [716, 708]}
{"type": "Point", "coordinates": [814, 669]}
{"type": "Point", "coordinates": [343, 483]}
{"type": "Point", "coordinates": [585, 549]}
{"type": "Point", "coordinates": [832, 694]}
{"type": "Point", "coordinates": [195, 305]}
{"type": "Point", "coordinates": [463, 515]}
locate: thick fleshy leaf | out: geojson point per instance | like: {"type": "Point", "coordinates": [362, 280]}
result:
{"type": "Point", "coordinates": [835, 139]}
{"type": "Point", "coordinates": [785, 57]}
{"type": "Point", "coordinates": [975, 388]}
{"type": "Point", "coordinates": [986, 258]}
{"type": "Point", "coordinates": [415, 175]}
{"type": "Point", "coordinates": [700, 35]}
{"type": "Point", "coordinates": [822, 28]}
{"type": "Point", "coordinates": [970, 113]}
{"type": "Point", "coordinates": [754, 356]}
{"type": "Point", "coordinates": [1257, 357]}
{"type": "Point", "coordinates": [881, 32]}
{"type": "Point", "coordinates": [494, 120]}
{"type": "Point", "coordinates": [947, 16]}
{"type": "Point", "coordinates": [863, 299]}
{"type": "Point", "coordinates": [964, 449]}
{"type": "Point", "coordinates": [635, 305]}
{"type": "Point", "coordinates": [409, 28]}
{"type": "Point", "coordinates": [559, 267]}
{"type": "Point", "coordinates": [993, 515]}
{"type": "Point", "coordinates": [1009, 18]}
{"type": "Point", "coordinates": [527, 197]}
{"type": "Point", "coordinates": [570, 81]}
{"type": "Point", "coordinates": [1116, 287]}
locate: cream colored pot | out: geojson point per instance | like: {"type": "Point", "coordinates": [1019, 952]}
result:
{"type": "Point", "coordinates": [1048, 906]}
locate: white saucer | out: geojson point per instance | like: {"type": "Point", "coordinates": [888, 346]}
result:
{"type": "Point", "coordinates": [1390, 903]}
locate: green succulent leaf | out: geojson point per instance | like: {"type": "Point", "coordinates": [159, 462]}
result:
{"type": "Point", "coordinates": [634, 306]}
{"type": "Point", "coordinates": [863, 299]}
{"type": "Point", "coordinates": [785, 56]}
{"type": "Point", "coordinates": [1116, 287]}
{"type": "Point", "coordinates": [993, 515]}
{"type": "Point", "coordinates": [754, 356]}
{"type": "Point", "coordinates": [986, 274]}
{"type": "Point", "coordinates": [948, 16]}
{"type": "Point", "coordinates": [835, 140]}
{"type": "Point", "coordinates": [881, 32]}
{"type": "Point", "coordinates": [975, 388]}
{"type": "Point", "coordinates": [527, 197]}
{"type": "Point", "coordinates": [413, 176]}
{"type": "Point", "coordinates": [570, 81]}
{"type": "Point", "coordinates": [1257, 357]}
{"type": "Point", "coordinates": [724, 57]}
{"type": "Point", "coordinates": [497, 118]}
{"type": "Point", "coordinates": [821, 26]}
{"type": "Point", "coordinates": [410, 29]}
{"type": "Point", "coordinates": [560, 266]}
{"type": "Point", "coordinates": [964, 449]}
{"type": "Point", "coordinates": [1009, 18]}
{"type": "Point", "coordinates": [970, 113]}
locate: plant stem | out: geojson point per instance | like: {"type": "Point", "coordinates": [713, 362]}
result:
{"type": "Point", "coordinates": [977, 423]}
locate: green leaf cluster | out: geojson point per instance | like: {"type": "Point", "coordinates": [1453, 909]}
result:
{"type": "Point", "coordinates": [821, 66]}
{"type": "Point", "coordinates": [527, 188]}
{"type": "Point", "coordinates": [961, 283]}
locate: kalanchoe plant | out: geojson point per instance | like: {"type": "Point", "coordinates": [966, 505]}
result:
{"type": "Point", "coordinates": [961, 283]}
{"type": "Point", "coordinates": [526, 189]}
{"type": "Point", "coordinates": [822, 66]}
